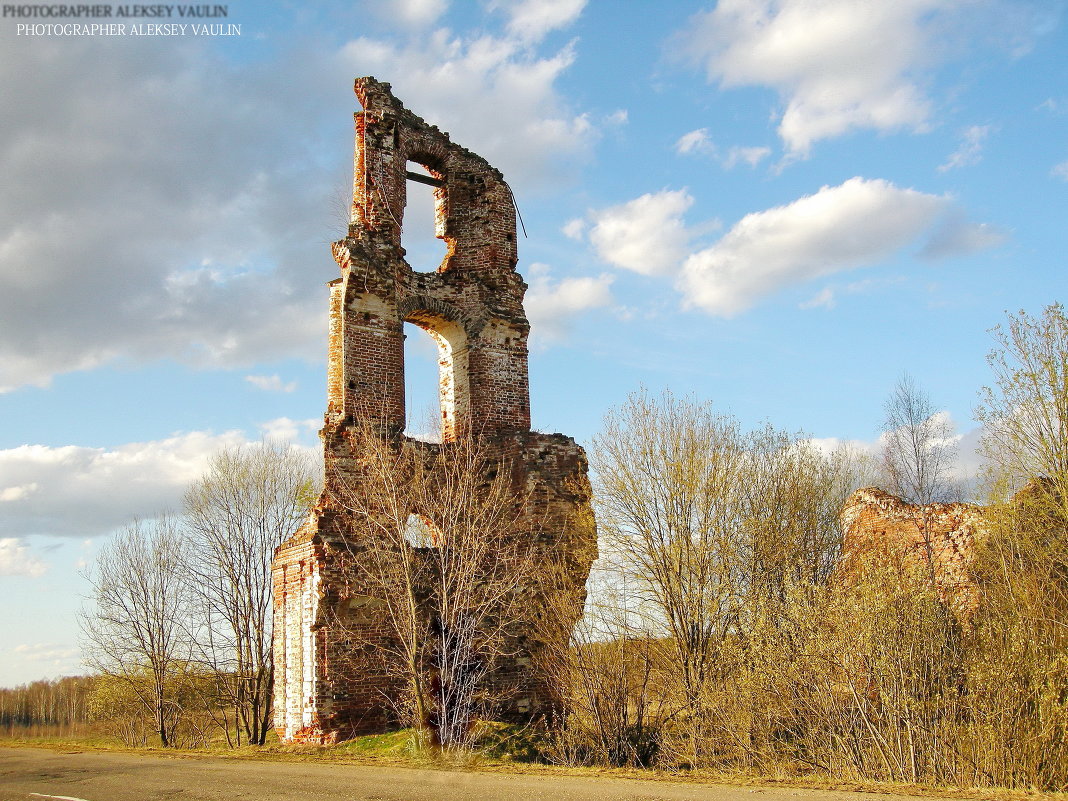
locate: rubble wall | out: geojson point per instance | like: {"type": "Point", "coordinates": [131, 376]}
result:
{"type": "Point", "coordinates": [939, 537]}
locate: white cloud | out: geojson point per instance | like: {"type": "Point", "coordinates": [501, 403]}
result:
{"type": "Point", "coordinates": [970, 150]}
{"type": "Point", "coordinates": [9, 494]}
{"type": "Point", "coordinates": [196, 221]}
{"type": "Point", "coordinates": [618, 117]}
{"type": "Point", "coordinates": [827, 297]}
{"type": "Point", "coordinates": [695, 142]}
{"type": "Point", "coordinates": [574, 229]}
{"type": "Point", "coordinates": [271, 383]}
{"type": "Point", "coordinates": [838, 228]}
{"type": "Point", "coordinates": [51, 658]}
{"type": "Point", "coordinates": [85, 492]}
{"type": "Point", "coordinates": [17, 560]}
{"type": "Point", "coordinates": [822, 299]}
{"type": "Point", "coordinates": [646, 235]}
{"type": "Point", "coordinates": [699, 142]}
{"type": "Point", "coordinates": [966, 468]}
{"type": "Point", "coordinates": [839, 65]}
{"type": "Point", "coordinates": [751, 156]}
{"type": "Point", "coordinates": [956, 236]}
{"type": "Point", "coordinates": [828, 445]}
{"type": "Point", "coordinates": [45, 652]}
{"type": "Point", "coordinates": [1060, 171]}
{"type": "Point", "coordinates": [285, 429]}
{"type": "Point", "coordinates": [552, 305]}
{"type": "Point", "coordinates": [194, 228]}
{"type": "Point", "coordinates": [418, 12]}
{"type": "Point", "coordinates": [971, 463]}
{"type": "Point", "coordinates": [495, 95]}
{"type": "Point", "coordinates": [530, 20]}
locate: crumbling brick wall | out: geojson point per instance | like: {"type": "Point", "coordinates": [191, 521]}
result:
{"type": "Point", "coordinates": [938, 538]}
{"type": "Point", "coordinates": [326, 687]}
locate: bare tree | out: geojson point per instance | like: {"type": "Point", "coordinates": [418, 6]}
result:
{"type": "Point", "coordinates": [1025, 415]}
{"type": "Point", "coordinates": [919, 449]}
{"type": "Point", "coordinates": [714, 529]}
{"type": "Point", "coordinates": [251, 499]}
{"type": "Point", "coordinates": [136, 629]}
{"type": "Point", "coordinates": [790, 499]}
{"type": "Point", "coordinates": [1022, 567]}
{"type": "Point", "coordinates": [667, 493]}
{"type": "Point", "coordinates": [438, 542]}
{"type": "Point", "coordinates": [606, 668]}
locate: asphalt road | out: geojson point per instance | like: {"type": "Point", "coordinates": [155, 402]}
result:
{"type": "Point", "coordinates": [31, 774]}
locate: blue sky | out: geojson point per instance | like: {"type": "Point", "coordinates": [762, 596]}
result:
{"type": "Point", "coordinates": [778, 205]}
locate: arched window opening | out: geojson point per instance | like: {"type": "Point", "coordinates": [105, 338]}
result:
{"type": "Point", "coordinates": [422, 393]}
{"type": "Point", "coordinates": [420, 532]}
{"type": "Point", "coordinates": [423, 231]}
{"type": "Point", "coordinates": [453, 396]}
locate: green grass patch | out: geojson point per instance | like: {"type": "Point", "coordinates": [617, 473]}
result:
{"type": "Point", "coordinates": [393, 744]}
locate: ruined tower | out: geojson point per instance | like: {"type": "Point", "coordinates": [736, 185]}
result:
{"type": "Point", "coordinates": [472, 306]}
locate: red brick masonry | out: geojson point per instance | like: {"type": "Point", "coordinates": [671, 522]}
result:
{"type": "Point", "coordinates": [941, 535]}
{"type": "Point", "coordinates": [326, 688]}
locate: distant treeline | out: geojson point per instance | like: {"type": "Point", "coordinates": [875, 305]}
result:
{"type": "Point", "coordinates": [57, 702]}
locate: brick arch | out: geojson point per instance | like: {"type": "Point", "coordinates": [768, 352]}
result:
{"type": "Point", "coordinates": [415, 306]}
{"type": "Point", "coordinates": [449, 329]}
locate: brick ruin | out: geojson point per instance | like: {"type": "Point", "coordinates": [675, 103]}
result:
{"type": "Point", "coordinates": [472, 306]}
{"type": "Point", "coordinates": [939, 537]}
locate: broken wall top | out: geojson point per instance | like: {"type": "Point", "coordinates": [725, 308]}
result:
{"type": "Point", "coordinates": [876, 523]}
{"type": "Point", "coordinates": [471, 305]}
{"type": "Point", "coordinates": [475, 211]}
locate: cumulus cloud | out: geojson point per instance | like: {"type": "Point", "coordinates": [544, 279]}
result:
{"type": "Point", "coordinates": [16, 559]}
{"type": "Point", "coordinates": [418, 12]}
{"type": "Point", "coordinates": [574, 229]}
{"type": "Point", "coordinates": [965, 469]}
{"type": "Point", "coordinates": [530, 20]}
{"type": "Point", "coordinates": [695, 142]}
{"type": "Point", "coordinates": [46, 652]}
{"type": "Point", "coordinates": [699, 142]}
{"type": "Point", "coordinates": [495, 94]}
{"type": "Point", "coordinates": [168, 203]}
{"type": "Point", "coordinates": [646, 235]}
{"type": "Point", "coordinates": [84, 492]}
{"type": "Point", "coordinates": [285, 429]}
{"type": "Point", "coordinates": [192, 231]}
{"type": "Point", "coordinates": [827, 298]}
{"type": "Point", "coordinates": [552, 304]}
{"type": "Point", "coordinates": [970, 150]}
{"type": "Point", "coordinates": [838, 228]}
{"type": "Point", "coordinates": [271, 383]}
{"type": "Point", "coordinates": [28, 661]}
{"type": "Point", "coordinates": [750, 156]}
{"type": "Point", "coordinates": [838, 65]}
{"type": "Point", "coordinates": [17, 493]}
{"type": "Point", "coordinates": [74, 491]}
